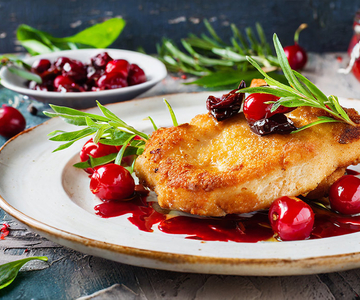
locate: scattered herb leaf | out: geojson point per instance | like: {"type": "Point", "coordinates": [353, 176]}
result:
{"type": "Point", "coordinates": [9, 271]}
{"type": "Point", "coordinates": [99, 35]}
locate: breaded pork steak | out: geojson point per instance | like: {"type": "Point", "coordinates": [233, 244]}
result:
{"type": "Point", "coordinates": [215, 168]}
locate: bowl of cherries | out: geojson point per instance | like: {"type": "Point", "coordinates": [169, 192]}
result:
{"type": "Point", "coordinates": [77, 78]}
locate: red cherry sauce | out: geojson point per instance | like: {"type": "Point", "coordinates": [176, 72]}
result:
{"type": "Point", "coordinates": [328, 224]}
{"type": "Point", "coordinates": [230, 228]}
{"type": "Point", "coordinates": [143, 214]}
{"type": "Point", "coordinates": [246, 228]}
{"type": "Point", "coordinates": [352, 172]}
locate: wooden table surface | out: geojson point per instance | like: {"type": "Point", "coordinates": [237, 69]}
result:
{"type": "Point", "coordinates": [71, 275]}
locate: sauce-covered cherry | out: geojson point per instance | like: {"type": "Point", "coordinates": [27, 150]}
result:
{"type": "Point", "coordinates": [11, 121]}
{"type": "Point", "coordinates": [112, 182]}
{"type": "Point", "coordinates": [95, 150]}
{"type": "Point", "coordinates": [291, 219]}
{"type": "Point", "coordinates": [344, 195]}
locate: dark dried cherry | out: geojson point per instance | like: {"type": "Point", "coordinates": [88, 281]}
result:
{"type": "Point", "coordinates": [136, 75]}
{"type": "Point", "coordinates": [111, 81]}
{"type": "Point", "coordinates": [41, 65]}
{"type": "Point", "coordinates": [278, 123]}
{"type": "Point", "coordinates": [227, 105]}
{"type": "Point", "coordinates": [100, 61]}
{"type": "Point", "coordinates": [75, 70]}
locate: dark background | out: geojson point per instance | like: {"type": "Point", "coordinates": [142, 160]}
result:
{"type": "Point", "coordinates": [330, 22]}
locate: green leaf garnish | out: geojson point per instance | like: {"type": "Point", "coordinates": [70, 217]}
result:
{"type": "Point", "coordinates": [299, 92]}
{"type": "Point", "coordinates": [172, 114]}
{"type": "Point", "coordinates": [99, 35]}
{"type": "Point", "coordinates": [9, 271]}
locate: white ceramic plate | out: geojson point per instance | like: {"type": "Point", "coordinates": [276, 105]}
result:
{"type": "Point", "coordinates": [154, 70]}
{"type": "Point", "coordinates": [44, 191]}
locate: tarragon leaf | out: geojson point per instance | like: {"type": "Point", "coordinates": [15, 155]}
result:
{"type": "Point", "coordinates": [172, 114]}
{"type": "Point", "coordinates": [320, 120]}
{"type": "Point", "coordinates": [9, 271]}
{"type": "Point", "coordinates": [72, 135]}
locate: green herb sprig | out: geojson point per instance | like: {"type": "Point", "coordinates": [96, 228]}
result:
{"type": "Point", "coordinates": [100, 35]}
{"type": "Point", "coordinates": [107, 129]}
{"type": "Point", "coordinates": [9, 271]}
{"type": "Point", "coordinates": [299, 92]}
{"type": "Point", "coordinates": [220, 64]}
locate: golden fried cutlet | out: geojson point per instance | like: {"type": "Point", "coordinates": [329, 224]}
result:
{"type": "Point", "coordinates": [215, 168]}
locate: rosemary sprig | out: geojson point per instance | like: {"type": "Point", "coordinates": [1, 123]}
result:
{"type": "Point", "coordinates": [299, 92]}
{"type": "Point", "coordinates": [219, 64]}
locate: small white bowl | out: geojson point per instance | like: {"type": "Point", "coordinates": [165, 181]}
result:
{"type": "Point", "coordinates": [154, 70]}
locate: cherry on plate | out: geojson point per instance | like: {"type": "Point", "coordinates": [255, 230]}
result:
{"type": "Point", "coordinates": [344, 195]}
{"type": "Point", "coordinates": [112, 182]}
{"type": "Point", "coordinates": [291, 219]}
{"type": "Point", "coordinates": [95, 151]}
{"type": "Point", "coordinates": [11, 121]}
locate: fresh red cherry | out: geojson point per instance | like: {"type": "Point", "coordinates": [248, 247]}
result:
{"type": "Point", "coordinates": [111, 81]}
{"type": "Point", "coordinates": [136, 75]}
{"type": "Point", "coordinates": [62, 81]}
{"type": "Point", "coordinates": [344, 195]}
{"type": "Point", "coordinates": [255, 107]}
{"type": "Point", "coordinates": [41, 65]}
{"type": "Point", "coordinates": [295, 54]}
{"type": "Point", "coordinates": [121, 66]}
{"type": "Point", "coordinates": [95, 151]}
{"type": "Point", "coordinates": [112, 182]}
{"type": "Point", "coordinates": [101, 60]}
{"type": "Point", "coordinates": [291, 219]}
{"type": "Point", "coordinates": [11, 121]}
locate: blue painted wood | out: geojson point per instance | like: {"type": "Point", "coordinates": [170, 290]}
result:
{"type": "Point", "coordinates": [148, 21]}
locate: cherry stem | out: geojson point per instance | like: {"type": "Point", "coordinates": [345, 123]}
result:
{"type": "Point", "coordinates": [297, 32]}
